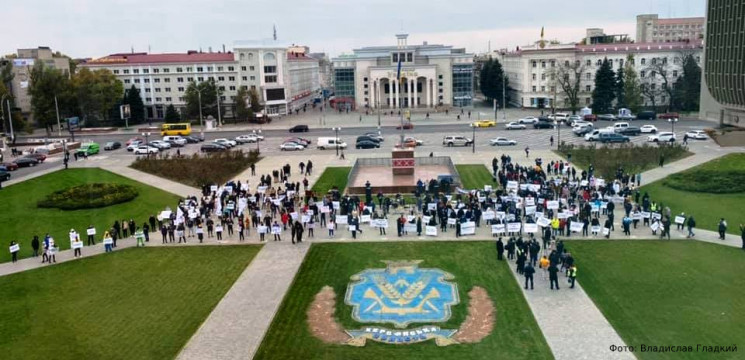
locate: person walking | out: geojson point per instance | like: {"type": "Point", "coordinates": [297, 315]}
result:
{"type": "Point", "coordinates": [528, 271]}
{"type": "Point", "coordinates": [500, 249]}
{"type": "Point", "coordinates": [107, 241]}
{"type": "Point", "coordinates": [551, 141]}
{"type": "Point", "coordinates": [662, 160]}
{"type": "Point", "coordinates": [572, 275]}
{"type": "Point", "coordinates": [527, 152]}
{"type": "Point", "coordinates": [553, 276]}
{"type": "Point", "coordinates": [35, 245]}
{"type": "Point", "coordinates": [722, 228]}
{"type": "Point", "coordinates": [180, 233]}
{"type": "Point", "coordinates": [690, 223]}
{"type": "Point", "coordinates": [276, 230]}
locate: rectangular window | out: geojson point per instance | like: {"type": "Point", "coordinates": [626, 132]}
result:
{"type": "Point", "coordinates": [243, 68]}
{"type": "Point", "coordinates": [180, 79]}
{"type": "Point", "coordinates": [135, 71]}
{"type": "Point", "coordinates": [200, 69]}
{"type": "Point", "coordinates": [589, 62]}
{"type": "Point", "coordinates": [588, 88]}
{"type": "Point", "coordinates": [270, 69]}
{"type": "Point", "coordinates": [157, 99]}
{"type": "Point", "coordinates": [395, 57]}
{"type": "Point", "coordinates": [220, 78]}
{"type": "Point", "coordinates": [221, 88]}
{"type": "Point", "coordinates": [149, 99]}
{"type": "Point", "coordinates": [553, 63]}
{"type": "Point", "coordinates": [675, 73]}
{"type": "Point", "coordinates": [147, 89]}
{"type": "Point", "coordinates": [253, 78]}
{"type": "Point", "coordinates": [543, 89]}
{"type": "Point", "coordinates": [270, 79]}
{"type": "Point", "coordinates": [588, 76]}
{"type": "Point", "coordinates": [251, 68]}
{"type": "Point", "coordinates": [535, 64]}
{"type": "Point", "coordinates": [232, 88]}
{"type": "Point", "coordinates": [146, 81]}
{"type": "Point", "coordinates": [155, 71]}
{"type": "Point", "coordinates": [181, 88]}
{"type": "Point", "coordinates": [168, 99]}
{"type": "Point", "coordinates": [201, 78]}
{"type": "Point", "coordinates": [166, 70]}
{"type": "Point", "coordinates": [189, 69]}
{"type": "Point", "coordinates": [534, 76]}
{"type": "Point", "coordinates": [116, 71]}
{"type": "Point", "coordinates": [642, 73]}
{"type": "Point", "coordinates": [167, 80]}
{"type": "Point", "coordinates": [137, 81]}
{"type": "Point", "coordinates": [181, 98]}
{"type": "Point", "coordinates": [178, 69]}
{"type": "Point", "coordinates": [231, 68]}
{"type": "Point", "coordinates": [145, 71]}
{"type": "Point", "coordinates": [222, 98]}
{"type": "Point", "coordinates": [231, 78]}
{"type": "Point", "coordinates": [244, 87]}
{"type": "Point", "coordinates": [126, 81]}
{"type": "Point", "coordinates": [543, 64]}
{"type": "Point", "coordinates": [534, 89]}
{"type": "Point", "coordinates": [190, 79]}
{"type": "Point", "coordinates": [220, 68]}
{"type": "Point", "coordinates": [156, 80]}
{"type": "Point", "coordinates": [209, 69]}
{"type": "Point", "coordinates": [409, 57]}
{"type": "Point", "coordinates": [587, 101]}
{"type": "Point", "coordinates": [543, 76]}
{"type": "Point", "coordinates": [253, 87]}
{"type": "Point", "coordinates": [167, 89]}
{"type": "Point", "coordinates": [644, 61]}
{"type": "Point", "coordinates": [244, 78]}
{"type": "Point", "coordinates": [157, 89]}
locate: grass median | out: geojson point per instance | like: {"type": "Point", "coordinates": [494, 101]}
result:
{"type": "Point", "coordinates": [475, 176]}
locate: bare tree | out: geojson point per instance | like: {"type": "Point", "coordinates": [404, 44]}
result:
{"type": "Point", "coordinates": [660, 73]}
{"type": "Point", "coordinates": [567, 77]}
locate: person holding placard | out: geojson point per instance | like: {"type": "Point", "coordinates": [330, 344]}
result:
{"type": "Point", "coordinates": [722, 228]}
{"type": "Point", "coordinates": [77, 247]}
{"type": "Point", "coordinates": [276, 231]}
{"type": "Point", "coordinates": [331, 226]}
{"type": "Point", "coordinates": [164, 233]}
{"type": "Point", "coordinates": [107, 241]}
{"type": "Point", "coordinates": [218, 232]}
{"type": "Point", "coordinates": [500, 248]}
{"type": "Point", "coordinates": [52, 251]}
{"type": "Point", "coordinates": [299, 231]}
{"type": "Point", "coordinates": [665, 228]}
{"type": "Point", "coordinates": [14, 248]}
{"type": "Point", "coordinates": [91, 231]}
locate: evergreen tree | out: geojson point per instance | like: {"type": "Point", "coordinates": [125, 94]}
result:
{"type": "Point", "coordinates": [632, 86]}
{"type": "Point", "coordinates": [136, 106]}
{"type": "Point", "coordinates": [253, 98]}
{"type": "Point", "coordinates": [242, 110]}
{"type": "Point", "coordinates": [172, 115]}
{"type": "Point", "coordinates": [492, 75]}
{"type": "Point", "coordinates": [688, 85]}
{"type": "Point", "coordinates": [620, 89]}
{"type": "Point", "coordinates": [605, 89]}
{"type": "Point", "coordinates": [206, 93]}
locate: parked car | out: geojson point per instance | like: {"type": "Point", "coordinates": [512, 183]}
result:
{"type": "Point", "coordinates": [544, 125]}
{"type": "Point", "coordinates": [405, 126]}
{"type": "Point", "coordinates": [662, 137]}
{"type": "Point", "coordinates": [291, 146]}
{"type": "Point", "coordinates": [667, 116]}
{"type": "Point", "coordinates": [212, 147]}
{"type": "Point", "coordinates": [367, 138]}
{"type": "Point", "coordinates": [25, 162]}
{"type": "Point", "coordinates": [408, 143]}
{"type": "Point", "coordinates": [134, 139]}
{"type": "Point", "coordinates": [630, 131]}
{"type": "Point", "coordinates": [515, 126]}
{"type": "Point", "coordinates": [145, 150]}
{"type": "Point", "coordinates": [134, 145]}
{"type": "Point", "coordinates": [649, 129]}
{"type": "Point", "coordinates": [613, 138]}
{"type": "Point", "coordinates": [175, 141]}
{"type": "Point", "coordinates": [583, 129]}
{"type": "Point", "coordinates": [558, 117]}
{"type": "Point", "coordinates": [501, 141]}
{"type": "Point", "coordinates": [451, 141]}
{"type": "Point", "coordinates": [607, 117]}
{"type": "Point", "coordinates": [225, 142]}
{"type": "Point", "coordinates": [626, 117]}
{"type": "Point", "coordinates": [330, 143]}
{"type": "Point", "coordinates": [484, 123]}
{"type": "Point", "coordinates": [41, 157]}
{"type": "Point", "coordinates": [620, 126]}
{"type": "Point", "coordinates": [697, 135]}
{"type": "Point", "coordinates": [646, 115]}
{"type": "Point", "coordinates": [590, 117]}
{"type": "Point", "coordinates": [367, 144]}
{"type": "Point", "coordinates": [595, 134]}
{"type": "Point", "coordinates": [528, 120]}
{"type": "Point", "coordinates": [4, 175]}
{"type": "Point", "coordinates": [193, 139]}
{"type": "Point", "coordinates": [249, 138]}
{"type": "Point", "coordinates": [299, 140]}
{"type": "Point", "coordinates": [374, 135]}
{"type": "Point", "coordinates": [9, 166]}
{"type": "Point", "coordinates": [299, 128]}
{"type": "Point", "coordinates": [573, 119]}
{"type": "Point", "coordinates": [112, 145]}
{"type": "Point", "coordinates": [160, 145]}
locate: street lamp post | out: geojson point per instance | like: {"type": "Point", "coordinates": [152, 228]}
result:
{"type": "Point", "coordinates": [257, 140]}
{"type": "Point", "coordinates": [10, 116]}
{"type": "Point", "coordinates": [336, 141]}
{"type": "Point", "coordinates": [473, 139]}
{"type": "Point", "coordinates": [672, 122]}
{"type": "Point", "coordinates": [201, 121]}
{"type": "Point", "coordinates": [56, 108]}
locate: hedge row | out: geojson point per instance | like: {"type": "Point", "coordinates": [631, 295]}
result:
{"type": "Point", "coordinates": [89, 196]}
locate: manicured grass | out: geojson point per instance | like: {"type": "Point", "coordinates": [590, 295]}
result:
{"type": "Point", "coordinates": [130, 304]}
{"type": "Point", "coordinates": [199, 169]}
{"type": "Point", "coordinates": [21, 219]}
{"type": "Point", "coordinates": [666, 293]}
{"type": "Point", "coordinates": [707, 208]}
{"type": "Point", "coordinates": [515, 336]}
{"type": "Point", "coordinates": [332, 176]}
{"type": "Point", "coordinates": [633, 158]}
{"type": "Point", "coordinates": [475, 176]}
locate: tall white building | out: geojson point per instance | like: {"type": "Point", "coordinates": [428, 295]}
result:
{"type": "Point", "coordinates": [651, 29]}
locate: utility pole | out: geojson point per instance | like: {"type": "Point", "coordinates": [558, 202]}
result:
{"type": "Point", "coordinates": [56, 107]}
{"type": "Point", "coordinates": [10, 121]}
{"type": "Point", "coordinates": [504, 97]}
{"type": "Point", "coordinates": [201, 121]}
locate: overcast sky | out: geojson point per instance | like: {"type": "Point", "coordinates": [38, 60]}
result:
{"type": "Point", "coordinates": [94, 28]}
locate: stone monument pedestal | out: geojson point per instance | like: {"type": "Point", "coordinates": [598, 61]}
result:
{"type": "Point", "coordinates": [402, 162]}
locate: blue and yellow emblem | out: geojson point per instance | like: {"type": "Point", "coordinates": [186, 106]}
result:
{"type": "Point", "coordinates": [402, 294]}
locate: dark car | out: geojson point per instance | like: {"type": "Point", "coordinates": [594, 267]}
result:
{"type": "Point", "coordinates": [299, 128]}
{"type": "Point", "coordinates": [590, 117]}
{"type": "Point", "coordinates": [212, 147]}
{"type": "Point", "coordinates": [541, 124]}
{"type": "Point", "coordinates": [4, 175]}
{"type": "Point", "coordinates": [192, 139]}
{"type": "Point", "coordinates": [112, 145]}
{"type": "Point", "coordinates": [367, 144]}
{"type": "Point", "coordinates": [9, 166]}
{"type": "Point", "coordinates": [25, 162]}
{"type": "Point", "coordinates": [406, 126]}
{"type": "Point", "coordinates": [646, 115]}
{"type": "Point", "coordinates": [37, 156]}
{"type": "Point", "coordinates": [367, 138]}
{"type": "Point", "coordinates": [613, 138]}
{"type": "Point", "coordinates": [630, 131]}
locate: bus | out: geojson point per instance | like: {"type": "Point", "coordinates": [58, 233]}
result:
{"type": "Point", "coordinates": [183, 129]}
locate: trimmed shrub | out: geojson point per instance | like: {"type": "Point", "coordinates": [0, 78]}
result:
{"type": "Point", "coordinates": [708, 181]}
{"type": "Point", "coordinates": [632, 158]}
{"type": "Point", "coordinates": [89, 196]}
{"type": "Point", "coordinates": [199, 169]}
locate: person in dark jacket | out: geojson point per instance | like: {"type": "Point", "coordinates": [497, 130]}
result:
{"type": "Point", "coordinates": [35, 245]}
{"type": "Point", "coordinates": [553, 276]}
{"type": "Point", "coordinates": [528, 271]}
{"type": "Point", "coordinates": [500, 248]}
{"type": "Point", "coordinates": [742, 235]}
{"type": "Point", "coordinates": [722, 228]}
{"type": "Point", "coordinates": [299, 231]}
{"type": "Point", "coordinates": [690, 223]}
{"type": "Point", "coordinates": [419, 226]}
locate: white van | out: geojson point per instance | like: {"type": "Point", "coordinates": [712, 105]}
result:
{"type": "Point", "coordinates": [330, 143]}
{"type": "Point", "coordinates": [178, 140]}
{"type": "Point", "coordinates": [617, 127]}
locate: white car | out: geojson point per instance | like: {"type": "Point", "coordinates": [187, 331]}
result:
{"type": "Point", "coordinates": [160, 144]}
{"type": "Point", "coordinates": [662, 137]}
{"type": "Point", "coordinates": [250, 138]}
{"type": "Point", "coordinates": [500, 141]}
{"type": "Point", "coordinates": [697, 134]}
{"type": "Point", "coordinates": [514, 126]}
{"type": "Point", "coordinates": [291, 146]}
{"type": "Point", "coordinates": [649, 129]}
{"type": "Point", "coordinates": [415, 140]}
{"type": "Point", "coordinates": [178, 140]}
{"type": "Point", "coordinates": [134, 145]}
{"type": "Point", "coordinates": [226, 142]}
{"type": "Point", "coordinates": [144, 150]}
{"type": "Point", "coordinates": [528, 120]}
{"type": "Point", "coordinates": [573, 119]}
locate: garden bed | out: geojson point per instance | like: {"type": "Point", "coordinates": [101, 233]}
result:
{"type": "Point", "coordinates": [199, 169]}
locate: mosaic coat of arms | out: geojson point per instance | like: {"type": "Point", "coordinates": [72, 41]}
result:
{"type": "Point", "coordinates": [400, 295]}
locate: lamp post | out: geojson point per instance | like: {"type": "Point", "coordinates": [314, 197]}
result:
{"type": "Point", "coordinates": [336, 141]}
{"type": "Point", "coordinates": [672, 122]}
{"type": "Point", "coordinates": [56, 108]}
{"type": "Point", "coordinates": [473, 139]}
{"type": "Point", "coordinates": [147, 143]}
{"type": "Point", "coordinates": [10, 116]}
{"type": "Point", "coordinates": [257, 134]}
{"type": "Point", "coordinates": [201, 121]}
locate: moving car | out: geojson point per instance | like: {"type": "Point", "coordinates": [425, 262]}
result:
{"type": "Point", "coordinates": [299, 128]}
{"type": "Point", "coordinates": [590, 117]}
{"type": "Point", "coordinates": [374, 135]}
{"type": "Point", "coordinates": [544, 125]}
{"type": "Point", "coordinates": [25, 162]}
{"type": "Point", "coordinates": [145, 150]}
{"type": "Point", "coordinates": [630, 131]}
{"type": "Point", "coordinates": [581, 130]}
{"type": "Point", "coordinates": [175, 141]}
{"type": "Point", "coordinates": [408, 143]}
{"type": "Point", "coordinates": [9, 166]}
{"type": "Point", "coordinates": [697, 134]}
{"type": "Point", "coordinates": [134, 145]}
{"type": "Point", "coordinates": [406, 126]}
{"type": "Point", "coordinates": [573, 119]}
{"type": "Point", "coordinates": [250, 138]}
{"type": "Point", "coordinates": [367, 144]}
{"type": "Point", "coordinates": [226, 142]}
{"type": "Point", "coordinates": [558, 117]}
{"type": "Point", "coordinates": [299, 140]}
{"type": "Point", "coordinates": [649, 129]}
{"type": "Point", "coordinates": [160, 145]}
{"type": "Point", "coordinates": [134, 139]}
{"type": "Point", "coordinates": [41, 157]}
{"type": "Point", "coordinates": [212, 147]}
{"type": "Point", "coordinates": [528, 120]}
{"type": "Point", "coordinates": [501, 141]}
{"type": "Point", "coordinates": [88, 149]}
{"type": "Point", "coordinates": [331, 143]}
{"type": "Point", "coordinates": [484, 123]}
{"type": "Point", "coordinates": [451, 141]}
{"type": "Point", "coordinates": [515, 126]}
{"type": "Point", "coordinates": [112, 145]}
{"type": "Point", "coordinates": [193, 139]}
{"type": "Point", "coordinates": [367, 138]}
{"type": "Point", "coordinates": [291, 146]}
{"type": "Point", "coordinates": [662, 137]}
{"type": "Point", "coordinates": [613, 138]}
{"type": "Point", "coordinates": [595, 134]}
{"type": "Point", "coordinates": [646, 115]}
{"type": "Point", "coordinates": [411, 138]}
{"type": "Point", "coordinates": [607, 117]}
{"type": "Point", "coordinates": [4, 175]}
{"type": "Point", "coordinates": [668, 116]}
{"type": "Point", "coordinates": [626, 117]}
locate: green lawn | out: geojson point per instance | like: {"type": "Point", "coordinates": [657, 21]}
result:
{"type": "Point", "coordinates": [515, 336]}
{"type": "Point", "coordinates": [707, 208]}
{"type": "Point", "coordinates": [475, 176]}
{"type": "Point", "coordinates": [666, 293]}
{"type": "Point", "coordinates": [332, 176]}
{"type": "Point", "coordinates": [20, 219]}
{"type": "Point", "coordinates": [131, 304]}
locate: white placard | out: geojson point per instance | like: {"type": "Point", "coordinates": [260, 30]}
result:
{"type": "Point", "coordinates": [489, 215]}
{"type": "Point", "coordinates": [325, 209]}
{"type": "Point", "coordinates": [468, 228]}
{"type": "Point", "coordinates": [213, 188]}
{"type": "Point", "coordinates": [530, 210]}
{"type": "Point", "coordinates": [262, 229]}
{"type": "Point", "coordinates": [501, 214]}
{"type": "Point", "coordinates": [487, 188]}
{"type": "Point", "coordinates": [636, 216]}
{"type": "Point", "coordinates": [165, 214]}
{"type": "Point", "coordinates": [336, 205]}
{"type": "Point", "coordinates": [529, 201]}
{"type": "Point", "coordinates": [261, 189]}
{"type": "Point", "coordinates": [553, 204]}
{"type": "Point", "coordinates": [352, 227]}
{"type": "Point", "coordinates": [543, 222]}
{"type": "Point", "coordinates": [646, 214]}
{"type": "Point", "coordinates": [680, 220]}
{"type": "Point", "coordinates": [229, 189]}
{"type": "Point", "coordinates": [576, 226]}
{"type": "Point", "coordinates": [531, 228]}
{"type": "Point", "coordinates": [426, 219]}
{"type": "Point", "coordinates": [655, 226]}
{"type": "Point", "coordinates": [512, 185]}
{"type": "Point", "coordinates": [365, 219]}
{"type": "Point", "coordinates": [108, 241]}
{"type": "Point", "coordinates": [451, 221]}
{"type": "Point", "coordinates": [599, 182]}
{"type": "Point", "coordinates": [534, 187]}
{"type": "Point", "coordinates": [432, 206]}
{"type": "Point", "coordinates": [409, 227]}
{"type": "Point", "coordinates": [14, 248]}
{"type": "Point", "coordinates": [657, 216]}
{"type": "Point", "coordinates": [276, 230]}
{"type": "Point", "coordinates": [482, 198]}
{"type": "Point", "coordinates": [380, 223]}
{"type": "Point", "coordinates": [606, 231]}
{"type": "Point", "coordinates": [91, 231]}
{"type": "Point", "coordinates": [562, 215]}
{"type": "Point", "coordinates": [514, 227]}
{"type": "Point", "coordinates": [77, 245]}
{"type": "Point", "coordinates": [294, 215]}
{"type": "Point", "coordinates": [430, 231]}
{"type": "Point", "coordinates": [583, 183]}
{"type": "Point", "coordinates": [498, 229]}
{"type": "Point", "coordinates": [305, 218]}
{"type": "Point", "coordinates": [594, 208]}
{"type": "Point", "coordinates": [341, 219]}
{"type": "Point", "coordinates": [595, 228]}
{"type": "Point", "coordinates": [410, 218]}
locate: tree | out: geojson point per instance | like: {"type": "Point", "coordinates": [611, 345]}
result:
{"type": "Point", "coordinates": [490, 81]}
{"type": "Point", "coordinates": [136, 106]}
{"type": "Point", "coordinates": [208, 91]}
{"type": "Point", "coordinates": [605, 89]}
{"type": "Point", "coordinates": [96, 93]}
{"type": "Point", "coordinates": [172, 115]}
{"type": "Point", "coordinates": [45, 84]}
{"type": "Point", "coordinates": [688, 85]}
{"type": "Point", "coordinates": [620, 89]}
{"type": "Point", "coordinates": [632, 88]}
{"type": "Point", "coordinates": [567, 77]}
{"type": "Point", "coordinates": [242, 111]}
{"type": "Point", "coordinates": [253, 98]}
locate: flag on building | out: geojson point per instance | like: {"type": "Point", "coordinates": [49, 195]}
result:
{"type": "Point", "coordinates": [398, 72]}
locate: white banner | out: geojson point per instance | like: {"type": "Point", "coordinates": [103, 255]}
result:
{"type": "Point", "coordinates": [305, 219]}
{"type": "Point", "coordinates": [380, 223]}
{"type": "Point", "coordinates": [576, 226]}
{"type": "Point", "coordinates": [655, 226]}
{"type": "Point", "coordinates": [596, 228]}
{"type": "Point", "coordinates": [432, 206]}
{"type": "Point", "coordinates": [365, 219]}
{"type": "Point", "coordinates": [553, 204]}
{"type": "Point", "coordinates": [680, 220]}
{"type": "Point", "coordinates": [451, 221]}
{"type": "Point", "coordinates": [468, 228]}
{"type": "Point", "coordinates": [530, 210]}
{"type": "Point", "coordinates": [408, 227]}
{"type": "Point", "coordinates": [606, 231]}
{"type": "Point", "coordinates": [336, 204]}
{"type": "Point", "coordinates": [276, 230]}
{"type": "Point", "coordinates": [636, 216]}
{"type": "Point", "coordinates": [430, 231]}
{"type": "Point", "coordinates": [14, 248]}
{"type": "Point", "coordinates": [341, 219]}
{"type": "Point", "coordinates": [498, 229]}
{"type": "Point", "coordinates": [108, 241]}
{"type": "Point", "coordinates": [77, 245]}
{"type": "Point", "coordinates": [261, 229]}
{"type": "Point", "coordinates": [543, 222]}
{"type": "Point", "coordinates": [531, 228]}
{"type": "Point", "coordinates": [91, 231]}
{"type": "Point", "coordinates": [489, 215]}
{"type": "Point", "coordinates": [352, 227]}
{"type": "Point", "coordinates": [514, 227]}
{"type": "Point", "coordinates": [646, 214]}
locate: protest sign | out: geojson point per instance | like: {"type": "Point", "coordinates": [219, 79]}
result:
{"type": "Point", "coordinates": [596, 229]}
{"type": "Point", "coordinates": [514, 227]}
{"type": "Point", "coordinates": [432, 206]}
{"type": "Point", "coordinates": [553, 204]}
{"type": "Point", "coordinates": [77, 245]}
{"type": "Point", "coordinates": [655, 226]}
{"type": "Point", "coordinates": [531, 228]}
{"type": "Point", "coordinates": [543, 222]}
{"type": "Point", "coordinates": [451, 221]}
{"type": "Point", "coordinates": [91, 231]}
{"type": "Point", "coordinates": [498, 229]}
{"type": "Point", "coordinates": [468, 228]}
{"type": "Point", "coordinates": [645, 214]}
{"type": "Point", "coordinates": [489, 215]}
{"type": "Point", "coordinates": [341, 219]}
{"type": "Point", "coordinates": [606, 231]}
{"type": "Point", "coordinates": [276, 230]}
{"type": "Point", "coordinates": [305, 219]}
{"type": "Point", "coordinates": [352, 227]}
{"type": "Point", "coordinates": [365, 219]}
{"type": "Point", "coordinates": [336, 204]}
{"type": "Point", "coordinates": [431, 231]}
{"type": "Point", "coordinates": [530, 210]}
{"type": "Point", "coordinates": [576, 226]}
{"type": "Point", "coordinates": [680, 220]}
{"type": "Point", "coordinates": [14, 248]}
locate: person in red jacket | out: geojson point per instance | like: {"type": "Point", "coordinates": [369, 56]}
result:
{"type": "Point", "coordinates": [285, 219]}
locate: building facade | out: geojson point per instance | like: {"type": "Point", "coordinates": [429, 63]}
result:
{"type": "Point", "coordinates": [723, 81]}
{"type": "Point", "coordinates": [431, 75]}
{"type": "Point", "coordinates": [22, 66]}
{"type": "Point", "coordinates": [530, 69]}
{"type": "Point", "coordinates": [651, 29]}
{"type": "Point", "coordinates": [279, 77]}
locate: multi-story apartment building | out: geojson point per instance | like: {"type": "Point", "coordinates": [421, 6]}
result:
{"type": "Point", "coordinates": [431, 75]}
{"type": "Point", "coordinates": [651, 29]}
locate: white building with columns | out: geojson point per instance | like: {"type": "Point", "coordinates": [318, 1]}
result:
{"type": "Point", "coordinates": [431, 75]}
